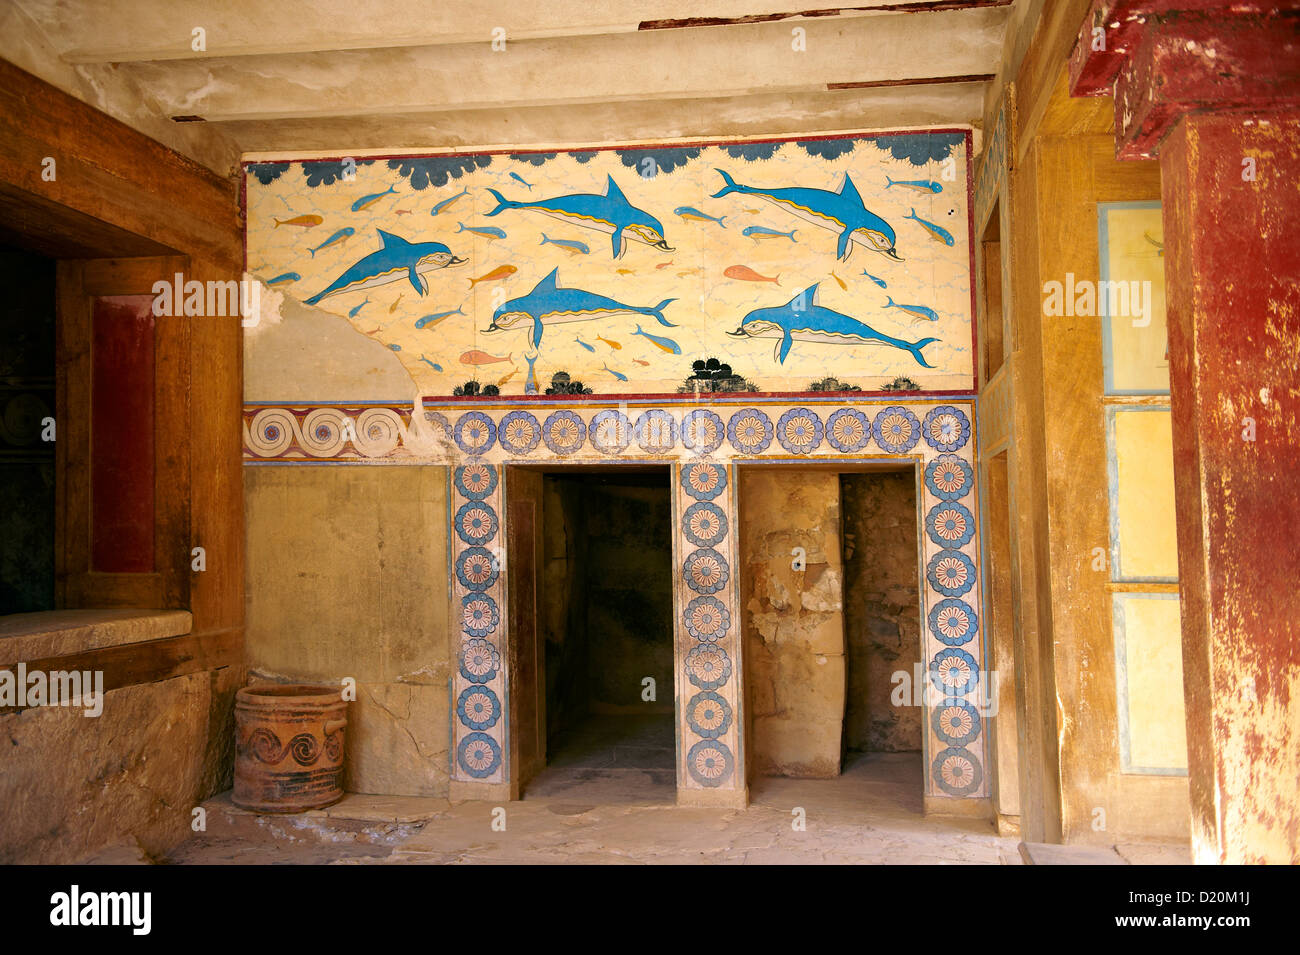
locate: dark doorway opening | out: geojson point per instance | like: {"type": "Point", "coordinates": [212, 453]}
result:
{"type": "Point", "coordinates": [605, 605]}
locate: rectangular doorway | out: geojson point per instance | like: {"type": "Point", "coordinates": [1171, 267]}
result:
{"type": "Point", "coordinates": [602, 727]}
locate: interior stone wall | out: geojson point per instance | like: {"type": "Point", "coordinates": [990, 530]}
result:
{"type": "Point", "coordinates": [347, 577]}
{"type": "Point", "coordinates": [793, 621]}
{"type": "Point", "coordinates": [882, 613]}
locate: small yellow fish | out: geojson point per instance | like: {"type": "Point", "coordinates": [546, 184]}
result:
{"type": "Point", "coordinates": [614, 345]}
{"type": "Point", "coordinates": [305, 222]}
{"type": "Point", "coordinates": [840, 280]}
{"type": "Point", "coordinates": [685, 272]}
{"type": "Point", "coordinates": [392, 308]}
{"type": "Point", "coordinates": [641, 361]}
{"type": "Point", "coordinates": [500, 272]}
{"type": "Point", "coordinates": [513, 372]}
{"type": "Point", "coordinates": [626, 271]}
{"type": "Point", "coordinates": [752, 212]}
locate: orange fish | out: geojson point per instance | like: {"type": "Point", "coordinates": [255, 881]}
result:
{"type": "Point", "coordinates": [840, 280]}
{"type": "Point", "coordinates": [746, 274]}
{"type": "Point", "coordinates": [476, 357]}
{"type": "Point", "coordinates": [402, 212]}
{"type": "Point", "coordinates": [500, 272]}
{"type": "Point", "coordinates": [626, 271]}
{"type": "Point", "coordinates": [513, 372]}
{"type": "Point", "coordinates": [305, 222]}
{"type": "Point", "coordinates": [614, 345]}
{"type": "Point", "coordinates": [664, 265]}
{"type": "Point", "coordinates": [641, 361]}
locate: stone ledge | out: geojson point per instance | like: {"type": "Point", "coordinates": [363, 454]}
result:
{"type": "Point", "coordinates": [56, 633]}
{"type": "Point", "coordinates": [1042, 853]}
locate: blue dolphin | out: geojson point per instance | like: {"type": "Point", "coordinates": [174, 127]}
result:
{"type": "Point", "coordinates": [841, 212]}
{"type": "Point", "coordinates": [548, 304]}
{"type": "Point", "coordinates": [610, 213]}
{"type": "Point", "coordinates": [804, 319]}
{"type": "Point", "coordinates": [394, 260]}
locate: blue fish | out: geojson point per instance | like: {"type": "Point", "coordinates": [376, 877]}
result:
{"type": "Point", "coordinates": [520, 179]}
{"type": "Point", "coordinates": [340, 236]}
{"type": "Point", "coordinates": [690, 212]}
{"type": "Point", "coordinates": [530, 383]}
{"type": "Point", "coordinates": [610, 213]}
{"type": "Point", "coordinates": [446, 202]}
{"type": "Point", "coordinates": [880, 282]}
{"type": "Point", "coordinates": [434, 365]}
{"type": "Point", "coordinates": [803, 319]}
{"type": "Point", "coordinates": [920, 185]}
{"type": "Point", "coordinates": [617, 374]}
{"type": "Point", "coordinates": [585, 345]}
{"type": "Point", "coordinates": [353, 313]}
{"type": "Point", "coordinates": [571, 244]}
{"type": "Point", "coordinates": [434, 319]}
{"type": "Point", "coordinates": [761, 232]}
{"type": "Point", "coordinates": [548, 304]}
{"type": "Point", "coordinates": [372, 198]}
{"type": "Point", "coordinates": [841, 212]}
{"type": "Point", "coordinates": [667, 344]}
{"type": "Point", "coordinates": [940, 234]}
{"type": "Point", "coordinates": [395, 347]}
{"type": "Point", "coordinates": [491, 232]}
{"type": "Point", "coordinates": [285, 277]}
{"type": "Point", "coordinates": [920, 311]}
{"type": "Point", "coordinates": [395, 260]}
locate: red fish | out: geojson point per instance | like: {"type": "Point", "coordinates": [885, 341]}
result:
{"type": "Point", "coordinates": [746, 274]}
{"type": "Point", "coordinates": [476, 357]}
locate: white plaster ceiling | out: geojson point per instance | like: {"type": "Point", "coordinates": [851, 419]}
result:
{"type": "Point", "coordinates": [344, 77]}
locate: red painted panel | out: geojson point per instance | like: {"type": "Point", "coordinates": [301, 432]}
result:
{"type": "Point", "coordinates": [122, 435]}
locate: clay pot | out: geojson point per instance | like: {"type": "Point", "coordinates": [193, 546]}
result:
{"type": "Point", "coordinates": [288, 747]}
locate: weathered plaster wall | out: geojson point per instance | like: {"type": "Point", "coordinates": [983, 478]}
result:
{"type": "Point", "coordinates": [793, 621]}
{"type": "Point", "coordinates": [347, 570]}
{"type": "Point", "coordinates": [882, 612]}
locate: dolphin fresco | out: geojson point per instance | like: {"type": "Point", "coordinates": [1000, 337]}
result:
{"type": "Point", "coordinates": [841, 212]}
{"type": "Point", "coordinates": [610, 213]}
{"type": "Point", "coordinates": [397, 258]}
{"type": "Point", "coordinates": [548, 304]}
{"type": "Point", "coordinates": [804, 320]}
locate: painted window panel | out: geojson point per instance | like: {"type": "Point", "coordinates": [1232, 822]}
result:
{"type": "Point", "coordinates": [1149, 674]}
{"type": "Point", "coordinates": [1135, 337]}
{"type": "Point", "coordinates": [1143, 525]}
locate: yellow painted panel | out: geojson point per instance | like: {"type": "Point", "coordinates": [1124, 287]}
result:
{"type": "Point", "coordinates": [1154, 665]}
{"type": "Point", "coordinates": [1139, 349]}
{"type": "Point", "coordinates": [1148, 546]}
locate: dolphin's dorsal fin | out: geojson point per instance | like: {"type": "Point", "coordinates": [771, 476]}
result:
{"type": "Point", "coordinates": [612, 191]}
{"type": "Point", "coordinates": [389, 240]}
{"type": "Point", "coordinates": [548, 284]}
{"type": "Point", "coordinates": [850, 191]}
{"type": "Point", "coordinates": [809, 297]}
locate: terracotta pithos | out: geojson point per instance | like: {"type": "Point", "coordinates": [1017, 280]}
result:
{"type": "Point", "coordinates": [288, 747]}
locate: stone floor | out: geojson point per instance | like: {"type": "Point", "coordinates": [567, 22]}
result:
{"type": "Point", "coordinates": [608, 760]}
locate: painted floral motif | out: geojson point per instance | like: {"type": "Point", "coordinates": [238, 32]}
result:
{"type": "Point", "coordinates": [479, 755]}
{"type": "Point", "coordinates": [896, 430]}
{"type": "Point", "coordinates": [476, 481]}
{"type": "Point", "coordinates": [478, 708]}
{"type": "Point", "coordinates": [951, 573]}
{"type": "Point", "coordinates": [799, 431]}
{"type": "Point", "coordinates": [848, 430]}
{"type": "Point", "coordinates": [953, 672]}
{"type": "Point", "coordinates": [957, 772]}
{"type": "Point", "coordinates": [479, 660]}
{"type": "Point", "coordinates": [953, 622]}
{"type": "Point", "coordinates": [705, 571]}
{"type": "Point", "coordinates": [519, 432]}
{"type": "Point", "coordinates": [610, 432]}
{"type": "Point", "coordinates": [707, 619]}
{"type": "Point", "coordinates": [704, 524]}
{"type": "Point", "coordinates": [704, 482]}
{"type": "Point", "coordinates": [950, 525]}
{"type": "Point", "coordinates": [564, 432]}
{"type": "Point", "coordinates": [949, 477]}
{"type": "Point", "coordinates": [750, 431]}
{"type": "Point", "coordinates": [656, 431]}
{"type": "Point", "coordinates": [709, 715]}
{"type": "Point", "coordinates": [946, 428]}
{"type": "Point", "coordinates": [474, 432]}
{"type": "Point", "coordinates": [476, 568]}
{"type": "Point", "coordinates": [708, 666]}
{"type": "Point", "coordinates": [479, 614]}
{"type": "Point", "coordinates": [709, 762]}
{"type": "Point", "coordinates": [438, 422]}
{"type": "Point", "coordinates": [476, 523]}
{"type": "Point", "coordinates": [702, 431]}
{"type": "Point", "coordinates": [955, 722]}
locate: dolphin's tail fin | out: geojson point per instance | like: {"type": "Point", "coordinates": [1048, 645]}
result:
{"type": "Point", "coordinates": [720, 225]}
{"type": "Point", "coordinates": [658, 312]}
{"type": "Point", "coordinates": [889, 302]}
{"type": "Point", "coordinates": [312, 253]}
{"type": "Point", "coordinates": [913, 215]}
{"type": "Point", "coordinates": [502, 202]}
{"type": "Point", "coordinates": [545, 239]}
{"type": "Point", "coordinates": [888, 182]}
{"type": "Point", "coordinates": [792, 232]}
{"type": "Point", "coordinates": [461, 227]}
{"type": "Point", "coordinates": [728, 188]}
{"type": "Point", "coordinates": [915, 349]}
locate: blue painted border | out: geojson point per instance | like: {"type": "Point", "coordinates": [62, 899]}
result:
{"type": "Point", "coordinates": [1121, 687]}
{"type": "Point", "coordinates": [1112, 493]}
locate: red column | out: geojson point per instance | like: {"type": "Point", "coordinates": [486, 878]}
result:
{"type": "Point", "coordinates": [1216, 95]}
